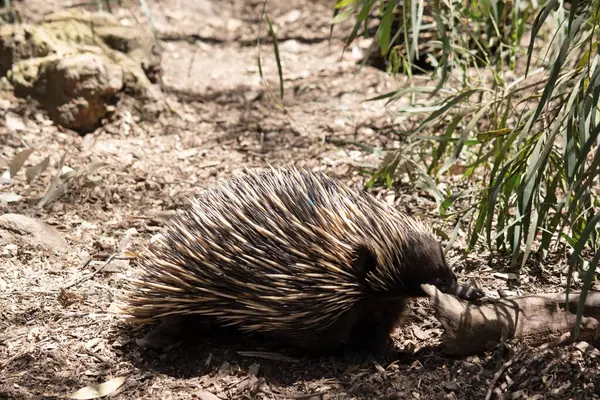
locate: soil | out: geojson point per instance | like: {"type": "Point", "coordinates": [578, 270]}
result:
{"type": "Point", "coordinates": [57, 330]}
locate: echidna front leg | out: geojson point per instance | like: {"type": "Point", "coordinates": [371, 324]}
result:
{"type": "Point", "coordinates": [378, 319]}
{"type": "Point", "coordinates": [366, 328]}
{"type": "Point", "coordinates": [167, 332]}
{"type": "Point", "coordinates": [338, 338]}
{"type": "Point", "coordinates": [173, 329]}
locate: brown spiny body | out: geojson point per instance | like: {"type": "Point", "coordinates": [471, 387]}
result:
{"type": "Point", "coordinates": [289, 253]}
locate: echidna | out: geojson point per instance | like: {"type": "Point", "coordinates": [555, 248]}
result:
{"type": "Point", "coordinates": [293, 254]}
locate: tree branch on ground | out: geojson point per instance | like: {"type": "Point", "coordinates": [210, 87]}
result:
{"type": "Point", "coordinates": [538, 320]}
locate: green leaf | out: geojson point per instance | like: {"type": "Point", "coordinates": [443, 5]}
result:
{"type": "Point", "coordinates": [344, 3]}
{"type": "Point", "coordinates": [589, 228]}
{"type": "Point", "coordinates": [416, 19]}
{"type": "Point", "coordinates": [548, 202]}
{"type": "Point", "coordinates": [587, 284]}
{"type": "Point", "coordinates": [341, 16]}
{"type": "Point", "coordinates": [396, 94]}
{"type": "Point", "coordinates": [446, 106]}
{"type": "Point", "coordinates": [554, 72]}
{"type": "Point", "coordinates": [537, 25]}
{"type": "Point", "coordinates": [384, 33]}
{"type": "Point", "coordinates": [492, 199]}
{"type": "Point", "coordinates": [277, 59]}
{"type": "Point", "coordinates": [447, 49]}
{"type": "Point", "coordinates": [463, 138]}
{"type": "Point", "coordinates": [450, 129]}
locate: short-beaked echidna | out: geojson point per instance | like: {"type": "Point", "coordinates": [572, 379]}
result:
{"type": "Point", "coordinates": [290, 253]}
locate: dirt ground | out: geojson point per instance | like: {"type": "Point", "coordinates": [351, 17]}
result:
{"type": "Point", "coordinates": [54, 342]}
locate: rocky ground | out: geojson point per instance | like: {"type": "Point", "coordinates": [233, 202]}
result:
{"type": "Point", "coordinates": [57, 331]}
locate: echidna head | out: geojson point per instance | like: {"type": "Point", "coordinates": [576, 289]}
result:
{"type": "Point", "coordinates": [421, 261]}
{"type": "Point", "coordinates": [425, 263]}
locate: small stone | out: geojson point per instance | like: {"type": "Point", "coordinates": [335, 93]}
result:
{"type": "Point", "coordinates": [587, 349]}
{"type": "Point", "coordinates": [470, 367]}
{"type": "Point", "coordinates": [292, 16]}
{"type": "Point", "coordinates": [291, 46]}
{"type": "Point", "coordinates": [390, 198]}
{"type": "Point", "coordinates": [10, 250]}
{"type": "Point", "coordinates": [5, 178]}
{"type": "Point", "coordinates": [207, 396]}
{"type": "Point", "coordinates": [107, 243]}
{"type": "Point", "coordinates": [340, 122]}
{"type": "Point", "coordinates": [233, 24]}
{"type": "Point", "coordinates": [14, 123]}
{"type": "Point", "coordinates": [10, 197]}
{"type": "Point", "coordinates": [560, 391]}
{"type": "Point", "coordinates": [57, 207]}
{"type": "Point", "coordinates": [451, 386]}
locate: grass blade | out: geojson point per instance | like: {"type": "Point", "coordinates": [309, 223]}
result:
{"type": "Point", "coordinates": [277, 58]}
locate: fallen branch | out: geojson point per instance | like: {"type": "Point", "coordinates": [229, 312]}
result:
{"type": "Point", "coordinates": [545, 319]}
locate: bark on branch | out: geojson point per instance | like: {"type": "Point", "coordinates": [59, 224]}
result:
{"type": "Point", "coordinates": [546, 319]}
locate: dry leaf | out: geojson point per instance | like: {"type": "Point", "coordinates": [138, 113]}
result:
{"type": "Point", "coordinates": [9, 197]}
{"type": "Point", "coordinates": [416, 365]}
{"type": "Point", "coordinates": [88, 142]}
{"type": "Point", "coordinates": [90, 344]}
{"type": "Point", "coordinates": [506, 276]}
{"type": "Point", "coordinates": [54, 186]}
{"type": "Point", "coordinates": [420, 333]}
{"type": "Point", "coordinates": [587, 349]}
{"type": "Point", "coordinates": [125, 241]}
{"type": "Point", "coordinates": [53, 193]}
{"type": "Point", "coordinates": [32, 172]}
{"type": "Point", "coordinates": [207, 396]}
{"type": "Point", "coordinates": [18, 162]}
{"type": "Point", "coordinates": [101, 390]}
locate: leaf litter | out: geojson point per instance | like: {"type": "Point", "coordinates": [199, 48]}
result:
{"type": "Point", "coordinates": [58, 340]}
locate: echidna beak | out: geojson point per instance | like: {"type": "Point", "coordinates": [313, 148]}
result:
{"type": "Point", "coordinates": [447, 286]}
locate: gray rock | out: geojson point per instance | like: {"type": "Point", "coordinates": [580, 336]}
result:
{"type": "Point", "coordinates": [20, 229]}
{"type": "Point", "coordinates": [75, 63]}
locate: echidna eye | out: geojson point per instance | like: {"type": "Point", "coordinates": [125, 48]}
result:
{"type": "Point", "coordinates": [365, 261]}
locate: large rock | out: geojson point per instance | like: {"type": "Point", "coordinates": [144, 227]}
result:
{"type": "Point", "coordinates": [77, 89]}
{"type": "Point", "coordinates": [19, 229]}
{"type": "Point", "coordinates": [76, 62]}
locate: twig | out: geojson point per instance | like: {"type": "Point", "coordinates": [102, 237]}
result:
{"type": "Point", "coordinates": [497, 376]}
{"type": "Point", "coordinates": [91, 274]}
{"type": "Point", "coordinates": [29, 349]}
{"type": "Point", "coordinates": [189, 71]}
{"type": "Point", "coordinates": [267, 355]}
{"type": "Point", "coordinates": [296, 396]}
{"type": "Point", "coordinates": [122, 246]}
{"type": "Point", "coordinates": [97, 356]}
